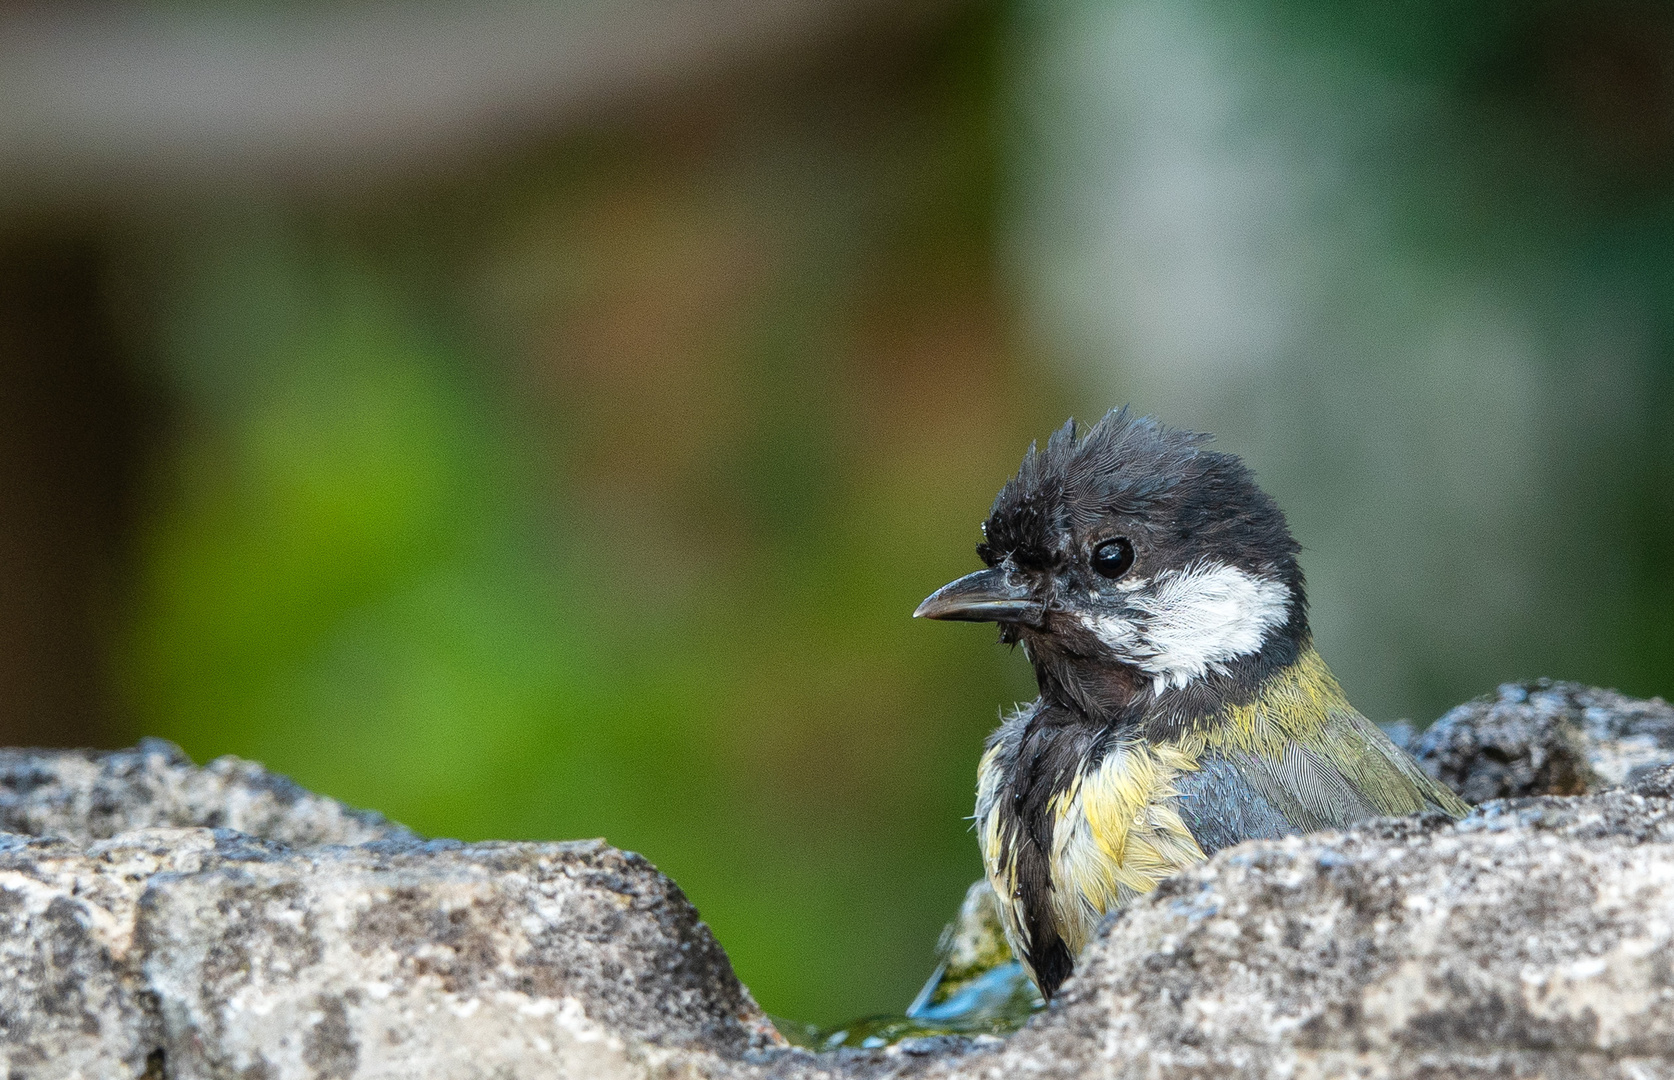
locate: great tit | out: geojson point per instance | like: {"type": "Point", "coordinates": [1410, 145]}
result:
{"type": "Point", "coordinates": [1155, 590]}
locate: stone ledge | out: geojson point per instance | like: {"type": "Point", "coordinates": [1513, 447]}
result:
{"type": "Point", "coordinates": [88, 795]}
{"type": "Point", "coordinates": [170, 921]}
{"type": "Point", "coordinates": [198, 952]}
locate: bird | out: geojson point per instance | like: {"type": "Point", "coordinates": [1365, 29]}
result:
{"type": "Point", "coordinates": [1156, 592]}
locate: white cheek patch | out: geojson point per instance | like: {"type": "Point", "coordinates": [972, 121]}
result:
{"type": "Point", "coordinates": [1122, 635]}
{"type": "Point", "coordinates": [1194, 621]}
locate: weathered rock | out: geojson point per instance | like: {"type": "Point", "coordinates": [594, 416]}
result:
{"type": "Point", "coordinates": [436, 960]}
{"type": "Point", "coordinates": [207, 953]}
{"type": "Point", "coordinates": [1546, 738]}
{"type": "Point", "coordinates": [87, 795]}
{"type": "Point", "coordinates": [1533, 938]}
{"type": "Point", "coordinates": [198, 952]}
{"type": "Point", "coordinates": [69, 1002]}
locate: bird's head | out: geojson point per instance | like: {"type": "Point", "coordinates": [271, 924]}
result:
{"type": "Point", "coordinates": [1133, 564]}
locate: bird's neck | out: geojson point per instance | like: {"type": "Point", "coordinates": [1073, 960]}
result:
{"type": "Point", "coordinates": [1102, 693]}
{"type": "Point", "coordinates": [1106, 693]}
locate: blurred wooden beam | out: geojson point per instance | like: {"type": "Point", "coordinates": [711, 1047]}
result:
{"type": "Point", "coordinates": [71, 427]}
{"type": "Point", "coordinates": [106, 100]}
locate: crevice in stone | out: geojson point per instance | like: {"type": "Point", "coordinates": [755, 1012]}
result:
{"type": "Point", "coordinates": [156, 1065]}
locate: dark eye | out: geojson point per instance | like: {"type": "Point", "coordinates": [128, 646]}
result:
{"type": "Point", "coordinates": [1113, 557]}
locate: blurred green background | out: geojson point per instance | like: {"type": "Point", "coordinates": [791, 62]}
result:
{"type": "Point", "coordinates": [539, 420]}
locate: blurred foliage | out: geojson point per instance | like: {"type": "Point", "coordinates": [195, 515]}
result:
{"type": "Point", "coordinates": [1541, 158]}
{"type": "Point", "coordinates": [599, 504]}
{"type": "Point", "coordinates": [1410, 262]}
{"type": "Point", "coordinates": [589, 493]}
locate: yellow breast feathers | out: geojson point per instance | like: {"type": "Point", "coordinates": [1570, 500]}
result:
{"type": "Point", "coordinates": [1304, 759]}
{"type": "Point", "coordinates": [1115, 834]}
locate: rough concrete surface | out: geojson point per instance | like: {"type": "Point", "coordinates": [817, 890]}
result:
{"type": "Point", "coordinates": [1546, 738]}
{"type": "Point", "coordinates": [87, 795]}
{"type": "Point", "coordinates": [208, 953]}
{"type": "Point", "coordinates": [198, 952]}
{"type": "Point", "coordinates": [1534, 938]}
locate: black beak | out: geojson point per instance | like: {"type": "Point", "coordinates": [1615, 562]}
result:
{"type": "Point", "coordinates": [984, 596]}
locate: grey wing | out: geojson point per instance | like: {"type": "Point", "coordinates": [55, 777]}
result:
{"type": "Point", "coordinates": [1221, 807]}
{"type": "Point", "coordinates": [1305, 788]}
{"type": "Point", "coordinates": [1351, 773]}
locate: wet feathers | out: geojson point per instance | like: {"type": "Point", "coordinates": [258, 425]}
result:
{"type": "Point", "coordinates": [1183, 706]}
